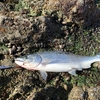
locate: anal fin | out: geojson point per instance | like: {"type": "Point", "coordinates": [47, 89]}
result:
{"type": "Point", "coordinates": [73, 72]}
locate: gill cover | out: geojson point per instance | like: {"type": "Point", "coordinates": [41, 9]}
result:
{"type": "Point", "coordinates": [33, 59]}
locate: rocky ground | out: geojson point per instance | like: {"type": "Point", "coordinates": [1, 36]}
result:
{"type": "Point", "coordinates": [28, 26]}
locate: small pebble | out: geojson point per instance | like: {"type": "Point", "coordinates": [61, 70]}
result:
{"type": "Point", "coordinates": [19, 49]}
{"type": "Point", "coordinates": [12, 49]}
{"type": "Point", "coordinates": [9, 45]}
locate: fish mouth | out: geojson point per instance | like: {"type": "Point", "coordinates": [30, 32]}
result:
{"type": "Point", "coordinates": [19, 61]}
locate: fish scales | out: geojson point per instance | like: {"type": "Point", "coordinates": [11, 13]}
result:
{"type": "Point", "coordinates": [52, 61]}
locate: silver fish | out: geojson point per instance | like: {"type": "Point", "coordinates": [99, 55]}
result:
{"type": "Point", "coordinates": [56, 62]}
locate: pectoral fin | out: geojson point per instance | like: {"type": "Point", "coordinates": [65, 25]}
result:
{"type": "Point", "coordinates": [44, 75]}
{"type": "Point", "coordinates": [73, 72]}
{"type": "Point", "coordinates": [44, 63]}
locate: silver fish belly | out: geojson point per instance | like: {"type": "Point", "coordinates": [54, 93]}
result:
{"type": "Point", "coordinates": [56, 62]}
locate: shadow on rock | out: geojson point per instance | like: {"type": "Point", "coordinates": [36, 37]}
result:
{"type": "Point", "coordinates": [4, 80]}
{"type": "Point", "coordinates": [51, 93]}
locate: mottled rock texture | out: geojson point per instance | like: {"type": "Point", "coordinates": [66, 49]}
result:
{"type": "Point", "coordinates": [78, 93]}
{"type": "Point", "coordinates": [82, 12]}
{"type": "Point", "coordinates": [39, 25]}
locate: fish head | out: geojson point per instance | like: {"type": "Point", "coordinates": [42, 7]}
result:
{"type": "Point", "coordinates": [29, 61]}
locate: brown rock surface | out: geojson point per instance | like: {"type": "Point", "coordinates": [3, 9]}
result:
{"type": "Point", "coordinates": [77, 93]}
{"type": "Point", "coordinates": [47, 27]}
{"type": "Point", "coordinates": [92, 93]}
{"type": "Point", "coordinates": [96, 64]}
{"type": "Point", "coordinates": [82, 12]}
